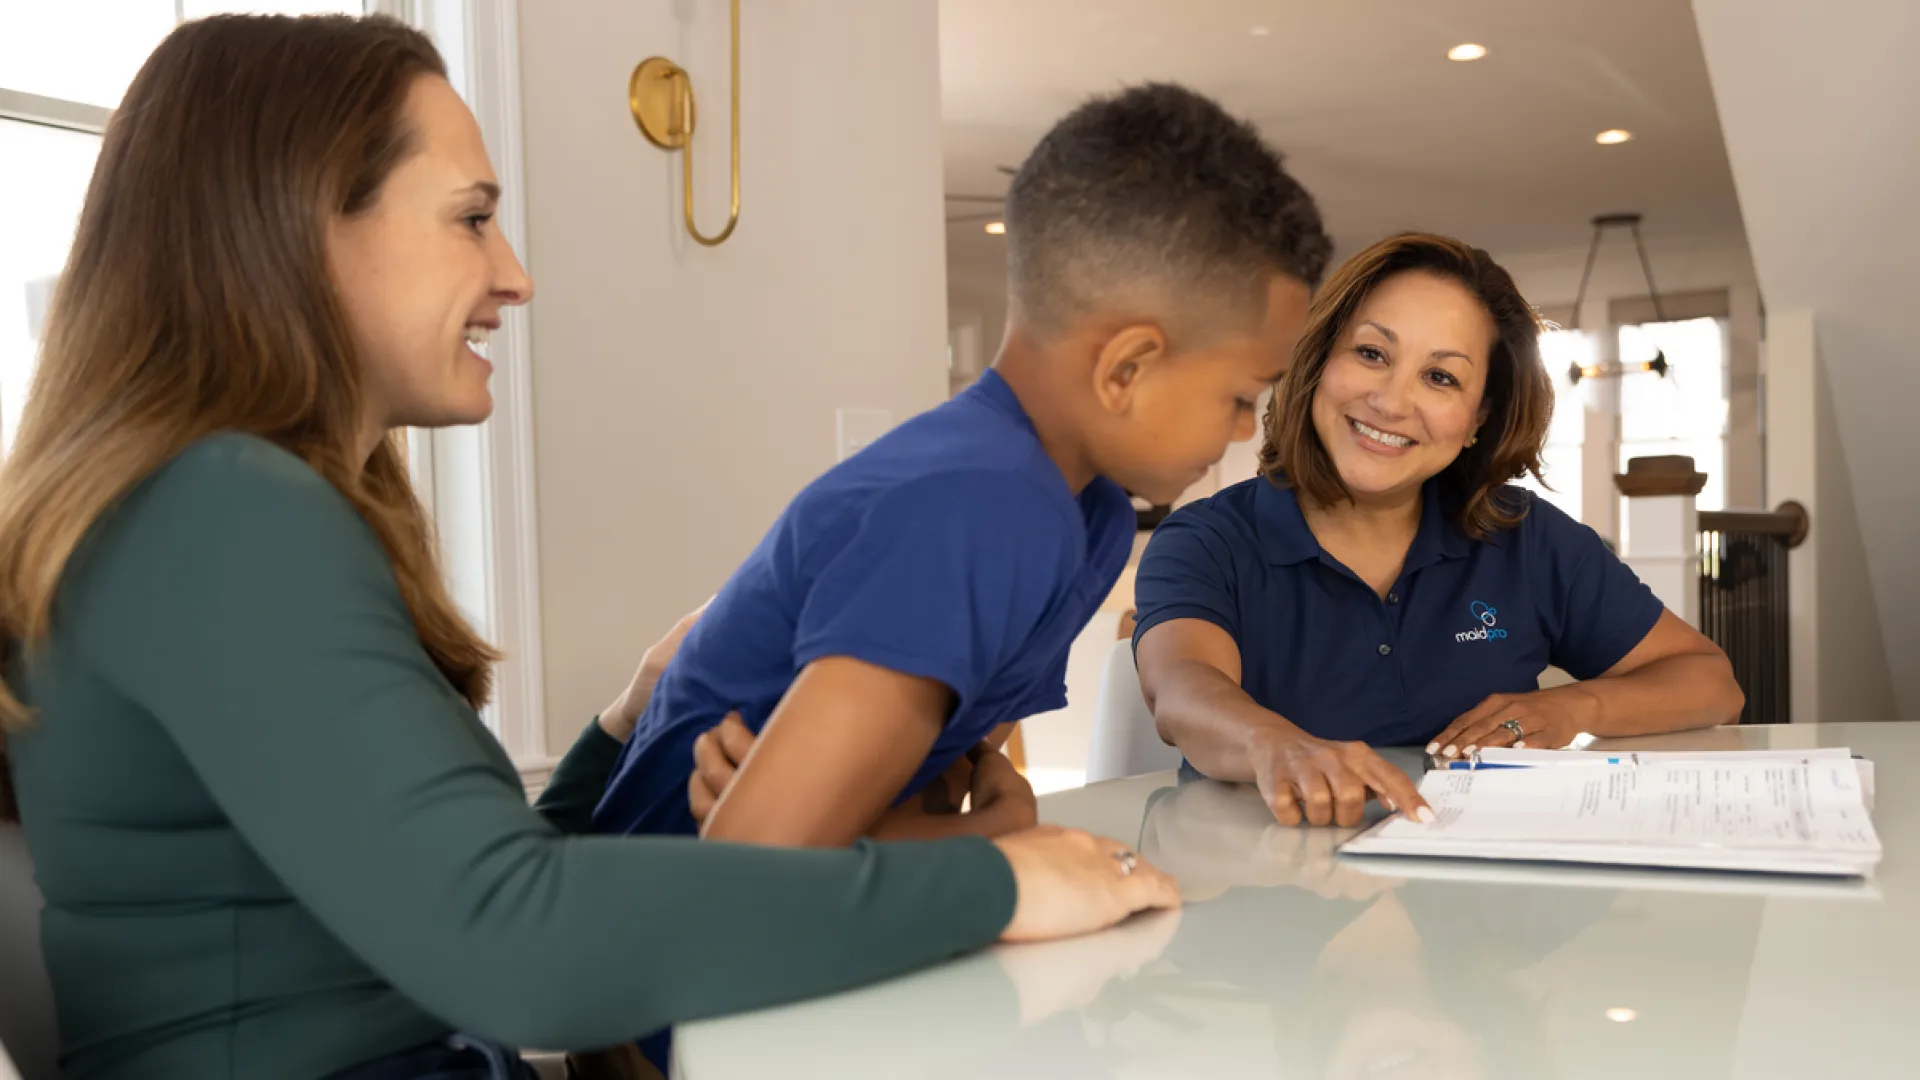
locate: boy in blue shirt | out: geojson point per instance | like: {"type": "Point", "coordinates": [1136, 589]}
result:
{"type": "Point", "coordinates": [922, 595]}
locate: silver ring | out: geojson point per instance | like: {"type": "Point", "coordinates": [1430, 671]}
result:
{"type": "Point", "coordinates": [1514, 726]}
{"type": "Point", "coordinates": [1127, 861]}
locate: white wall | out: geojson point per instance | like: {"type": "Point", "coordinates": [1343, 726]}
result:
{"type": "Point", "coordinates": [980, 312]}
{"type": "Point", "coordinates": [1057, 742]}
{"type": "Point", "coordinates": [1840, 670]}
{"type": "Point", "coordinates": [1819, 103]}
{"type": "Point", "coordinates": [684, 394]}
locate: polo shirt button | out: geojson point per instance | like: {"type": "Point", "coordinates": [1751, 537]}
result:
{"type": "Point", "coordinates": [1385, 649]}
{"type": "Point", "coordinates": [1393, 598]}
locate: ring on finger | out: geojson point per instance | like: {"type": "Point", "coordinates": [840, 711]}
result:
{"type": "Point", "coordinates": [1512, 724]}
{"type": "Point", "coordinates": [1128, 860]}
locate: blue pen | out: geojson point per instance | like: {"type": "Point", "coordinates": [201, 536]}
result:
{"type": "Point", "coordinates": [1470, 765]}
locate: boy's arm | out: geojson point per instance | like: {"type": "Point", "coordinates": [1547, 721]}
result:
{"type": "Point", "coordinates": [841, 744]}
{"type": "Point", "coordinates": [837, 750]}
{"type": "Point", "coordinates": [1002, 802]}
{"type": "Point", "coordinates": [902, 622]}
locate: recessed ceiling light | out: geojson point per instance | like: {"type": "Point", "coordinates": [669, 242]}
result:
{"type": "Point", "coordinates": [996, 228]}
{"type": "Point", "coordinates": [1468, 51]}
{"type": "Point", "coordinates": [1612, 137]}
{"type": "Point", "coordinates": [1260, 31]}
{"type": "Point", "coordinates": [1621, 1015]}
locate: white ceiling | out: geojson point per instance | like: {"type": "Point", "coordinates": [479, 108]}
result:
{"type": "Point", "coordinates": [1382, 128]}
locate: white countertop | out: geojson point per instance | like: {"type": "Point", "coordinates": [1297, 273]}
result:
{"type": "Point", "coordinates": [1287, 962]}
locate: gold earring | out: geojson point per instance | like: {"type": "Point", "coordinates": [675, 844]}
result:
{"type": "Point", "coordinates": [1473, 440]}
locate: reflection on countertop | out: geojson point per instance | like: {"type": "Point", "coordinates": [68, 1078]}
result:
{"type": "Point", "coordinates": [1290, 960]}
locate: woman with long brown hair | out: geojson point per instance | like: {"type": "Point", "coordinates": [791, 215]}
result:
{"type": "Point", "coordinates": [273, 836]}
{"type": "Point", "coordinates": [1381, 584]}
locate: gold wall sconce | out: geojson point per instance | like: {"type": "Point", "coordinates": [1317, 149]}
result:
{"type": "Point", "coordinates": [660, 95]}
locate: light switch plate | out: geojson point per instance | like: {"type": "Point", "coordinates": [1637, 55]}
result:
{"type": "Point", "coordinates": [856, 428]}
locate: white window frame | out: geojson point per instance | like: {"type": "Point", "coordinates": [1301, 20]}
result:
{"type": "Point", "coordinates": [493, 463]}
{"type": "Point", "coordinates": [53, 112]}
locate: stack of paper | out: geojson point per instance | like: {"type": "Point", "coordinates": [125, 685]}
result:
{"type": "Point", "coordinates": [1801, 812]}
{"type": "Point", "coordinates": [1505, 757]}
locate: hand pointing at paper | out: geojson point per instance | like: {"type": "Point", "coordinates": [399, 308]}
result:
{"type": "Point", "coordinates": [1312, 781]}
{"type": "Point", "coordinates": [1190, 674]}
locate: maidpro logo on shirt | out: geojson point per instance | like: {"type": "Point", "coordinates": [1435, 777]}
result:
{"type": "Point", "coordinates": [1488, 630]}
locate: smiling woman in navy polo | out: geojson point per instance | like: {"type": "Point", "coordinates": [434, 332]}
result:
{"type": "Point", "coordinates": [1381, 584]}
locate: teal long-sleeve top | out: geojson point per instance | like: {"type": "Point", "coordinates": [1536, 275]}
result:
{"type": "Point", "coordinates": [274, 842]}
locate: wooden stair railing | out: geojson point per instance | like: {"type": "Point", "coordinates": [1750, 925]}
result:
{"type": "Point", "coordinates": [1744, 600]}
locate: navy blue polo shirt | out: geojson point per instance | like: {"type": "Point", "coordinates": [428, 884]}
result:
{"type": "Point", "coordinates": [950, 549]}
{"type": "Point", "coordinates": [1466, 619]}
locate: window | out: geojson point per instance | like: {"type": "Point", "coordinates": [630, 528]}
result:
{"type": "Point", "coordinates": [38, 207]}
{"type": "Point", "coordinates": [65, 63]}
{"type": "Point", "coordinates": [1685, 412]}
{"type": "Point", "coordinates": [82, 51]}
{"type": "Point", "coordinates": [1566, 433]}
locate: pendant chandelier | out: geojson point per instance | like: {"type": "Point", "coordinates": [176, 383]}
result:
{"type": "Point", "coordinates": [1615, 369]}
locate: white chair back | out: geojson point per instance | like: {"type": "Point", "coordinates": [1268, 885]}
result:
{"type": "Point", "coordinates": [1124, 740]}
{"type": "Point", "coordinates": [29, 1038]}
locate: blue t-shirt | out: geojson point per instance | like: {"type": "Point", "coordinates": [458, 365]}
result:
{"type": "Point", "coordinates": [950, 549]}
{"type": "Point", "coordinates": [1466, 619]}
